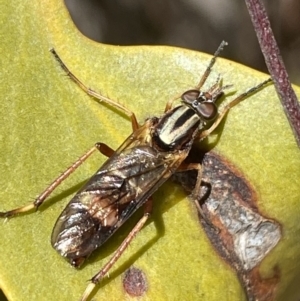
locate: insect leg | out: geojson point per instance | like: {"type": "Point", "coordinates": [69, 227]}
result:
{"type": "Point", "coordinates": [97, 95]}
{"type": "Point", "coordinates": [197, 189]}
{"type": "Point", "coordinates": [196, 193]}
{"type": "Point", "coordinates": [233, 103]}
{"type": "Point", "coordinates": [98, 277]}
{"type": "Point", "coordinates": [103, 148]}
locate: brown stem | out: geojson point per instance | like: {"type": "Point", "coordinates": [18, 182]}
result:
{"type": "Point", "coordinates": [275, 64]}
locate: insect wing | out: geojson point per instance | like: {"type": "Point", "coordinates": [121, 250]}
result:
{"type": "Point", "coordinates": [119, 187]}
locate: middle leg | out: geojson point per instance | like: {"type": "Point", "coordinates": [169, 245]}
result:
{"type": "Point", "coordinates": [103, 148]}
{"type": "Point", "coordinates": [196, 192]}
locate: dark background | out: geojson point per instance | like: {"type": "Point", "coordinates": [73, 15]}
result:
{"type": "Point", "coordinates": [195, 24]}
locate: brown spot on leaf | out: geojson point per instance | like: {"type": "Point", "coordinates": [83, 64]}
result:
{"type": "Point", "coordinates": [240, 234]}
{"type": "Point", "coordinates": [135, 282]}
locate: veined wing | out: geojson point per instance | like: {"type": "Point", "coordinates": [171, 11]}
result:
{"type": "Point", "coordinates": [123, 184]}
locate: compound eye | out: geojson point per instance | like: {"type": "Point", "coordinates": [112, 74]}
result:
{"type": "Point", "coordinates": [207, 110]}
{"type": "Point", "coordinates": [190, 96]}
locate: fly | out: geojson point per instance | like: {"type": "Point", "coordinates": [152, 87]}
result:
{"type": "Point", "coordinates": [127, 180]}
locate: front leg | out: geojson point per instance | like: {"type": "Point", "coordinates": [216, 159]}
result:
{"type": "Point", "coordinates": [237, 100]}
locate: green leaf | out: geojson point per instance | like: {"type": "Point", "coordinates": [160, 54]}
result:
{"type": "Point", "coordinates": [47, 122]}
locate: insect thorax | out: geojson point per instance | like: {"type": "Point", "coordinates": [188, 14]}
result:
{"type": "Point", "coordinates": [176, 129]}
